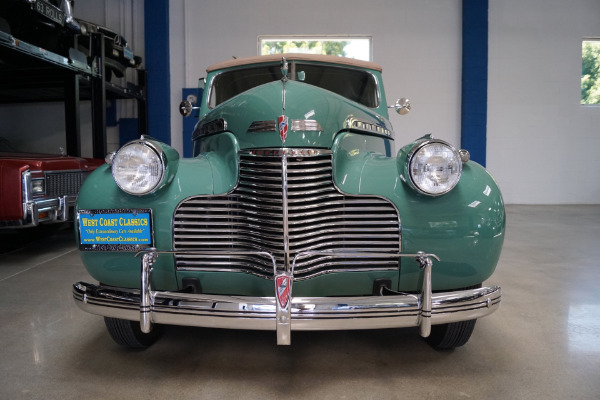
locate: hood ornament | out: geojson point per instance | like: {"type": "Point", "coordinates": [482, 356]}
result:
{"type": "Point", "coordinates": [284, 69]}
{"type": "Point", "coordinates": [282, 120]}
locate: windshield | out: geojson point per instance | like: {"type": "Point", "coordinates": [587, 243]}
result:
{"type": "Point", "coordinates": [356, 85]}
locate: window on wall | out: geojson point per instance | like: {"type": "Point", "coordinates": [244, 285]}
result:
{"type": "Point", "coordinates": [358, 47]}
{"type": "Point", "coordinates": [590, 71]}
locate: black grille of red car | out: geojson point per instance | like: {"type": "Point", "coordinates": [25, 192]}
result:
{"type": "Point", "coordinates": [253, 218]}
{"type": "Point", "coordinates": [64, 183]}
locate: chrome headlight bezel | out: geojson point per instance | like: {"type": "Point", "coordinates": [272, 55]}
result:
{"type": "Point", "coordinates": [38, 186]}
{"type": "Point", "coordinates": [138, 168]}
{"type": "Point", "coordinates": [437, 181]}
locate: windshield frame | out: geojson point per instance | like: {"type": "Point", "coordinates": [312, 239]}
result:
{"type": "Point", "coordinates": [293, 64]}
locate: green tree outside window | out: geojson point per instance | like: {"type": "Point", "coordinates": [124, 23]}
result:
{"type": "Point", "coordinates": [353, 47]}
{"type": "Point", "coordinates": [590, 72]}
{"type": "Point", "coordinates": [334, 48]}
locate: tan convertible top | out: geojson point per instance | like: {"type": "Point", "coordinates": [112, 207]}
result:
{"type": "Point", "coordinates": [294, 56]}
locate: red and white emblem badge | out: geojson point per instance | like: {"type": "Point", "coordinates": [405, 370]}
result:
{"type": "Point", "coordinates": [282, 122]}
{"type": "Point", "coordinates": [282, 283]}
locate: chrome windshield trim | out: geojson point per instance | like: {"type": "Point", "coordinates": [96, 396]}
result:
{"type": "Point", "coordinates": [293, 64]}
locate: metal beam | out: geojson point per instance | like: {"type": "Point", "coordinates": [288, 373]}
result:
{"type": "Point", "coordinates": [474, 78]}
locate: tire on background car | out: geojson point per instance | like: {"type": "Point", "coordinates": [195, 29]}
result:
{"type": "Point", "coordinates": [129, 334]}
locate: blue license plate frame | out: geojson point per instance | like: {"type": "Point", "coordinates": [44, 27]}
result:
{"type": "Point", "coordinates": [115, 229]}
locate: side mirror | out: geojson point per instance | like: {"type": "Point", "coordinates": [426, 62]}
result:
{"type": "Point", "coordinates": [402, 106]}
{"type": "Point", "coordinates": [186, 108]}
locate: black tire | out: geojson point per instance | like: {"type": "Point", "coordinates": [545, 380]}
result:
{"type": "Point", "coordinates": [455, 334]}
{"type": "Point", "coordinates": [129, 334]}
{"type": "Point", "coordinates": [452, 335]}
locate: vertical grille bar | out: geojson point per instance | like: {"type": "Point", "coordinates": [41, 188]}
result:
{"type": "Point", "coordinates": [284, 203]}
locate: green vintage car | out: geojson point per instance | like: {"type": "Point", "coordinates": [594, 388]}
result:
{"type": "Point", "coordinates": [295, 213]}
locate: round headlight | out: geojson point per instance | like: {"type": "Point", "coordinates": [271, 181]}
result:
{"type": "Point", "coordinates": [138, 168]}
{"type": "Point", "coordinates": [435, 168]}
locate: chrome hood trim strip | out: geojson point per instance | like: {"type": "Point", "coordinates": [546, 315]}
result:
{"type": "Point", "coordinates": [307, 125]}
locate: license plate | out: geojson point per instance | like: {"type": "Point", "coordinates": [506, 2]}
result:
{"type": "Point", "coordinates": [127, 53]}
{"type": "Point", "coordinates": [115, 230]}
{"type": "Point", "coordinates": [49, 11]}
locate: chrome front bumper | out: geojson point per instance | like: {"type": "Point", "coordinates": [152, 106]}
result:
{"type": "Point", "coordinates": [47, 210]}
{"type": "Point", "coordinates": [56, 209]}
{"type": "Point", "coordinates": [284, 313]}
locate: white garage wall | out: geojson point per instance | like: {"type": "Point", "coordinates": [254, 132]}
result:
{"type": "Point", "coordinates": [418, 44]}
{"type": "Point", "coordinates": [542, 144]}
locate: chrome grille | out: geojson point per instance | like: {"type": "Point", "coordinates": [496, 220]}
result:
{"type": "Point", "coordinates": [253, 218]}
{"type": "Point", "coordinates": [64, 183]}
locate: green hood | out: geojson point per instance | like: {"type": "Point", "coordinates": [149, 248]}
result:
{"type": "Point", "coordinates": [315, 117]}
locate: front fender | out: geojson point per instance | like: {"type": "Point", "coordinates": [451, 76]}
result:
{"type": "Point", "coordinates": [209, 173]}
{"type": "Point", "coordinates": [464, 227]}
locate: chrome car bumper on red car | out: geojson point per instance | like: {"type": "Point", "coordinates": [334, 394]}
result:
{"type": "Point", "coordinates": [283, 312]}
{"type": "Point", "coordinates": [56, 202]}
{"type": "Point", "coordinates": [47, 210]}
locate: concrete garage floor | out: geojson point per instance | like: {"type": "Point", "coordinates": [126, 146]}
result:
{"type": "Point", "coordinates": [543, 343]}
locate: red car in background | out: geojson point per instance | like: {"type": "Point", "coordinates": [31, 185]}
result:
{"type": "Point", "coordinates": [39, 188]}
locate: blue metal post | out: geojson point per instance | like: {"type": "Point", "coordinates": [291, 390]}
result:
{"type": "Point", "coordinates": [474, 78]}
{"type": "Point", "coordinates": [156, 34]}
